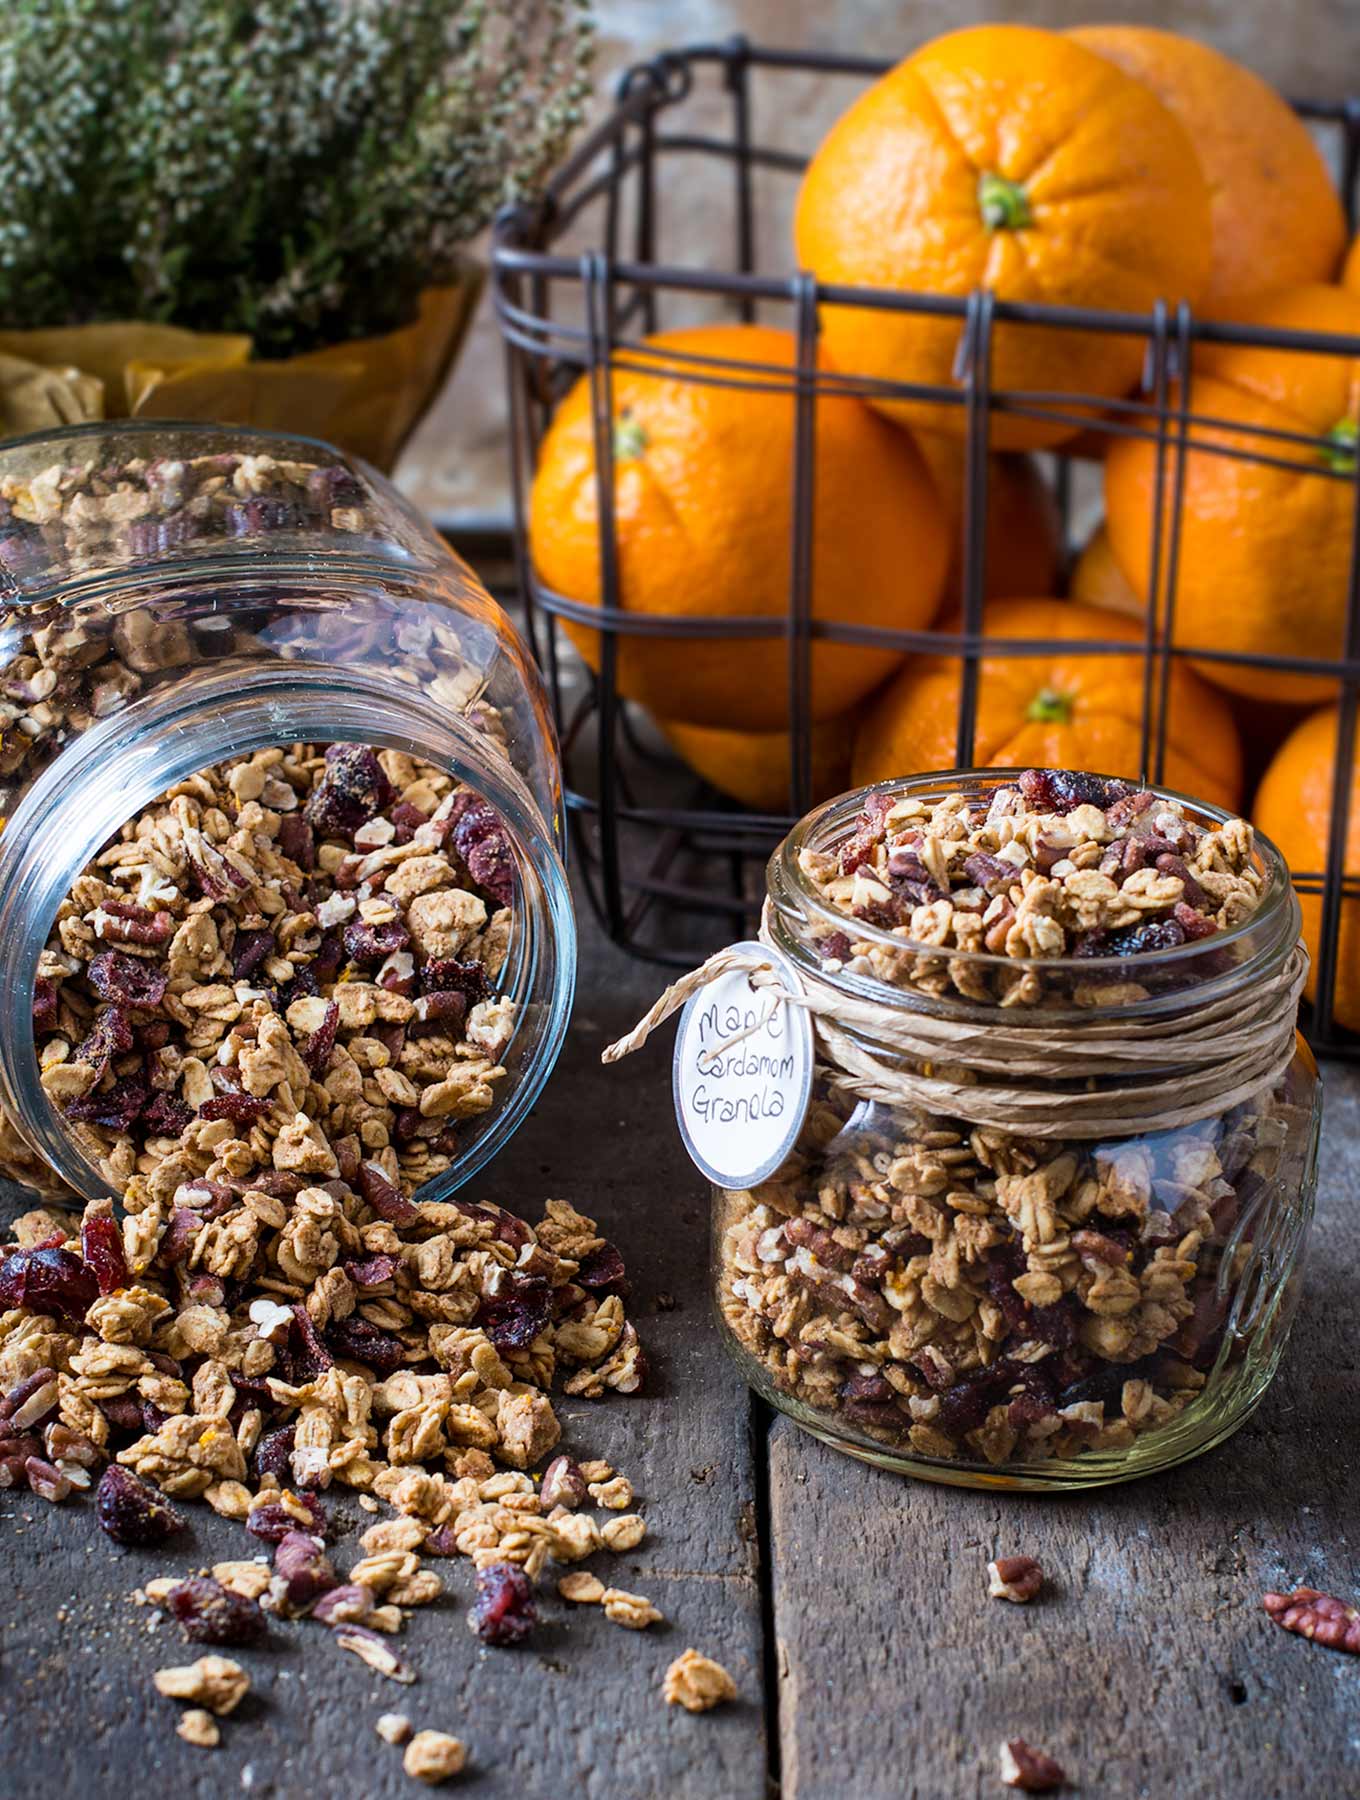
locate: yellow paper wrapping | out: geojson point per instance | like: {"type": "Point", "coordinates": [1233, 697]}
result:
{"type": "Point", "coordinates": [366, 396]}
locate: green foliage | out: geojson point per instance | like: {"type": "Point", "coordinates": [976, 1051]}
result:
{"type": "Point", "coordinates": [295, 169]}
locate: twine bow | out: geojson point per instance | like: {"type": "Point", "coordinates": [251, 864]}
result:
{"type": "Point", "coordinates": [1093, 1078]}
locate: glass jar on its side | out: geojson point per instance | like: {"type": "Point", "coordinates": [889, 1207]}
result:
{"type": "Point", "coordinates": [976, 1307]}
{"type": "Point", "coordinates": [176, 596]}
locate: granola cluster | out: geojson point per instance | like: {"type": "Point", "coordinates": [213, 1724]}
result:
{"type": "Point", "coordinates": [282, 973]}
{"type": "Point", "coordinates": [65, 666]}
{"type": "Point", "coordinates": [964, 1293]}
{"type": "Point", "coordinates": [1060, 865]}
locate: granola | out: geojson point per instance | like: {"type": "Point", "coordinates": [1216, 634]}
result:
{"type": "Point", "coordinates": [281, 974]}
{"type": "Point", "coordinates": [433, 1756]}
{"type": "Point", "coordinates": [697, 1683]}
{"type": "Point", "coordinates": [961, 1292]}
{"type": "Point", "coordinates": [1060, 865]}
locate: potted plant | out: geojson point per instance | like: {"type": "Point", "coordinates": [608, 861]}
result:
{"type": "Point", "coordinates": [258, 210]}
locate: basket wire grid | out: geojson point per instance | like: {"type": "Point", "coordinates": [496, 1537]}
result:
{"type": "Point", "coordinates": [669, 866]}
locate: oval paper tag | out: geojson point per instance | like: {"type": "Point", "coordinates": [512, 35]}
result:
{"type": "Point", "coordinates": [741, 1105]}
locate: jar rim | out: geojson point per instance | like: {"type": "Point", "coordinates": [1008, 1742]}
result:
{"type": "Point", "coordinates": [1272, 930]}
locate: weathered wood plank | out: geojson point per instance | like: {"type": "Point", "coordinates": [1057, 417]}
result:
{"type": "Point", "coordinates": [1151, 1669]}
{"type": "Point", "coordinates": [577, 1712]}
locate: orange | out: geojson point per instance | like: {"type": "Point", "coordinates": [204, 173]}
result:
{"type": "Point", "coordinates": [1059, 710]}
{"type": "Point", "coordinates": [1024, 527]}
{"type": "Point", "coordinates": [1264, 551]}
{"type": "Point", "coordinates": [1294, 807]}
{"type": "Point", "coordinates": [1098, 580]}
{"type": "Point", "coordinates": [1350, 270]}
{"type": "Point", "coordinates": [754, 766]}
{"type": "Point", "coordinates": [1276, 216]}
{"type": "Point", "coordinates": [703, 488]}
{"type": "Point", "coordinates": [1013, 159]}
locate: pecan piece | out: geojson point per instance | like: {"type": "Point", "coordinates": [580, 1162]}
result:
{"type": "Point", "coordinates": [1321, 1618]}
{"type": "Point", "coordinates": [1024, 1767]}
{"type": "Point", "coordinates": [1017, 1578]}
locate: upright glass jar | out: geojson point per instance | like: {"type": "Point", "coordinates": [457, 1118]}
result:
{"type": "Point", "coordinates": [172, 596]}
{"type": "Point", "coordinates": [868, 1288]}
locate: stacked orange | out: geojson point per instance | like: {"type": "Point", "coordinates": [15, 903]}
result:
{"type": "Point", "coordinates": [1106, 168]}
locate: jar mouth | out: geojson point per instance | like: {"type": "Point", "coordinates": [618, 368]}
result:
{"type": "Point", "coordinates": [1256, 946]}
{"type": "Point", "coordinates": [123, 763]}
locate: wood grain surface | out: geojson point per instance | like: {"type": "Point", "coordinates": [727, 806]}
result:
{"type": "Point", "coordinates": [1148, 1668]}
{"type": "Point", "coordinates": [577, 1712]}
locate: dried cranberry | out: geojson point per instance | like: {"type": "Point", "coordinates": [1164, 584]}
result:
{"type": "Point", "coordinates": [167, 1116]}
{"type": "Point", "coordinates": [373, 1271]}
{"type": "Point", "coordinates": [385, 1197]}
{"type": "Point", "coordinates": [123, 1413]}
{"type": "Point", "coordinates": [315, 1049]}
{"type": "Point", "coordinates": [154, 1034]}
{"type": "Point", "coordinates": [481, 840]}
{"type": "Point", "coordinates": [241, 1109]}
{"type": "Point", "coordinates": [1061, 790]}
{"type": "Point", "coordinates": [296, 841]}
{"type": "Point", "coordinates": [274, 1452]}
{"type": "Point", "coordinates": [126, 979]}
{"type": "Point", "coordinates": [868, 834]}
{"type": "Point", "coordinates": [515, 1317]}
{"type": "Point", "coordinates": [835, 947]}
{"type": "Point", "coordinates": [109, 1036]}
{"type": "Point", "coordinates": [307, 1356]}
{"type": "Point", "coordinates": [1140, 940]}
{"type": "Point", "coordinates": [456, 975]}
{"type": "Point", "coordinates": [133, 1513]}
{"type": "Point", "coordinates": [262, 513]}
{"type": "Point", "coordinates": [603, 1271]}
{"type": "Point", "coordinates": [408, 819]}
{"type": "Point", "coordinates": [442, 1541]}
{"type": "Point", "coordinates": [271, 1522]}
{"type": "Point", "coordinates": [49, 1281]}
{"type": "Point", "coordinates": [504, 1611]}
{"type": "Point", "coordinates": [335, 485]}
{"type": "Point", "coordinates": [305, 1569]}
{"type": "Point", "coordinates": [965, 1405]}
{"type": "Point", "coordinates": [209, 1613]}
{"type": "Point", "coordinates": [116, 1108]}
{"type": "Point", "coordinates": [101, 1246]}
{"type": "Point", "coordinates": [249, 951]}
{"type": "Point", "coordinates": [46, 1005]}
{"type": "Point", "coordinates": [371, 943]}
{"type": "Point", "coordinates": [358, 1341]}
{"type": "Point", "coordinates": [353, 788]}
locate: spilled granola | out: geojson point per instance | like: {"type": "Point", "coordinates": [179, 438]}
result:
{"type": "Point", "coordinates": [268, 1010]}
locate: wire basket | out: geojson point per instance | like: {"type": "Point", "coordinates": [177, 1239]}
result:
{"type": "Point", "coordinates": [669, 866]}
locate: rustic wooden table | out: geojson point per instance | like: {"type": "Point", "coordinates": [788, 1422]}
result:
{"type": "Point", "coordinates": [850, 1606]}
